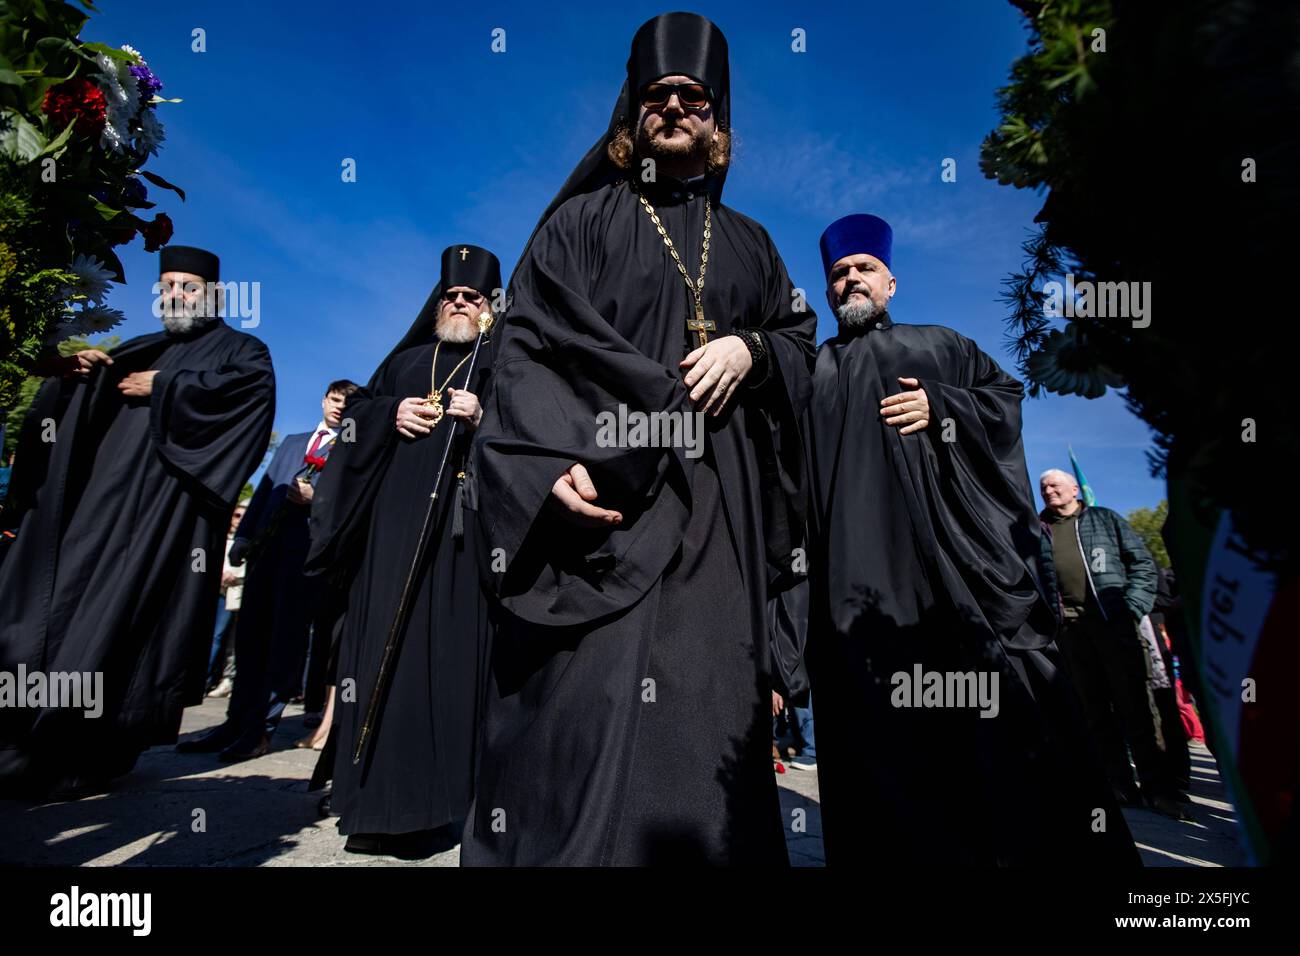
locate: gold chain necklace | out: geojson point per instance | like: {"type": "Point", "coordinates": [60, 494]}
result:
{"type": "Point", "coordinates": [699, 324]}
{"type": "Point", "coordinates": [434, 400]}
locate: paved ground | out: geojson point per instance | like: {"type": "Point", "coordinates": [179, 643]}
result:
{"type": "Point", "coordinates": [258, 813]}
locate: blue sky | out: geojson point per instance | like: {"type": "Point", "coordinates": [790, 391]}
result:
{"type": "Point", "coordinates": [455, 143]}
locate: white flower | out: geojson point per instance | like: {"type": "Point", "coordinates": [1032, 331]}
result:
{"type": "Point", "coordinates": [150, 135]}
{"type": "Point", "coordinates": [84, 322]}
{"type": "Point", "coordinates": [112, 138]}
{"type": "Point", "coordinates": [122, 101]}
{"type": "Point", "coordinates": [97, 318]}
{"type": "Point", "coordinates": [109, 80]}
{"type": "Point", "coordinates": [125, 87]}
{"type": "Point", "coordinates": [94, 280]}
{"type": "Point", "coordinates": [139, 60]}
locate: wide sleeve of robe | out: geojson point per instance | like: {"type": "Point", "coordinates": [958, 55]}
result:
{"type": "Point", "coordinates": [775, 409]}
{"type": "Point", "coordinates": [208, 424]}
{"type": "Point", "coordinates": [561, 365]}
{"type": "Point", "coordinates": [980, 499]}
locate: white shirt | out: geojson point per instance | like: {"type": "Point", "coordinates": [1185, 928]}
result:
{"type": "Point", "coordinates": [329, 436]}
{"type": "Point", "coordinates": [234, 593]}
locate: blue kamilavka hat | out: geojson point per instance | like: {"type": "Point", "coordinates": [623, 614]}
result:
{"type": "Point", "coordinates": [854, 235]}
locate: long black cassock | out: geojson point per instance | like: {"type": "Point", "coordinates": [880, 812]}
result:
{"type": "Point", "coordinates": [367, 511]}
{"type": "Point", "coordinates": [584, 762]}
{"type": "Point", "coordinates": [117, 564]}
{"type": "Point", "coordinates": [924, 553]}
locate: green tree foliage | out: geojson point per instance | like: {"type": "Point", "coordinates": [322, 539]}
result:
{"type": "Point", "coordinates": [1148, 522]}
{"type": "Point", "coordinates": [31, 301]}
{"type": "Point", "coordinates": [27, 388]}
{"type": "Point", "coordinates": [76, 129]}
{"type": "Point", "coordinates": [1163, 136]}
{"type": "Point", "coordinates": [79, 343]}
{"type": "Point", "coordinates": [14, 417]}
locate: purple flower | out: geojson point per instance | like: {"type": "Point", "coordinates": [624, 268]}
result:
{"type": "Point", "coordinates": [147, 83]}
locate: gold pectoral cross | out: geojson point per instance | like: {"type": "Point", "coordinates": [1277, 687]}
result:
{"type": "Point", "coordinates": [701, 325]}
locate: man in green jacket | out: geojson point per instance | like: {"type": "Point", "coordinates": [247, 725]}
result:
{"type": "Point", "coordinates": [1105, 584]}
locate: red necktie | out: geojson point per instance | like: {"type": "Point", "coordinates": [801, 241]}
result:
{"type": "Point", "coordinates": [316, 442]}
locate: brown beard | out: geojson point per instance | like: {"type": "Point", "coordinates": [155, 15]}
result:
{"type": "Point", "coordinates": [622, 149]}
{"type": "Point", "coordinates": [696, 149]}
{"type": "Point", "coordinates": [456, 328]}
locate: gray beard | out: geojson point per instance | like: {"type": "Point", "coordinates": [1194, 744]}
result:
{"type": "Point", "coordinates": [181, 323]}
{"type": "Point", "coordinates": [457, 329]}
{"type": "Point", "coordinates": [855, 316]}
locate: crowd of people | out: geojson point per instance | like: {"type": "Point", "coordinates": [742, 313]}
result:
{"type": "Point", "coordinates": [516, 634]}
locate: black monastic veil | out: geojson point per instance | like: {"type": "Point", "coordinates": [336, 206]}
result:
{"type": "Point", "coordinates": [417, 773]}
{"type": "Point", "coordinates": [629, 709]}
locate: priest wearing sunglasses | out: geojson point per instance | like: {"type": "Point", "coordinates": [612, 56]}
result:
{"type": "Point", "coordinates": [629, 714]}
{"type": "Point", "coordinates": [402, 745]}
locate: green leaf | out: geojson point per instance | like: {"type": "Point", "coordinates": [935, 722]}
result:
{"type": "Point", "coordinates": [20, 140]}
{"type": "Point", "coordinates": [119, 55]}
{"type": "Point", "coordinates": [159, 181]}
{"type": "Point", "coordinates": [60, 55]}
{"type": "Point", "coordinates": [105, 212]}
{"type": "Point", "coordinates": [10, 78]}
{"type": "Point", "coordinates": [57, 143]}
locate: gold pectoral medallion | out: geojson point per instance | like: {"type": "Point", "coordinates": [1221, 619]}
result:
{"type": "Point", "coordinates": [434, 401]}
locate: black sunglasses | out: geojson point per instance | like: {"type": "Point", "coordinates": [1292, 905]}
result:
{"type": "Point", "coordinates": [692, 96]}
{"type": "Point", "coordinates": [472, 298]}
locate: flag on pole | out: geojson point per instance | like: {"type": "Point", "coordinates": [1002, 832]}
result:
{"type": "Point", "coordinates": [1089, 498]}
{"type": "Point", "coordinates": [1240, 616]}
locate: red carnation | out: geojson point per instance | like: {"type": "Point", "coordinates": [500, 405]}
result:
{"type": "Point", "coordinates": [157, 233]}
{"type": "Point", "coordinates": [316, 461]}
{"type": "Point", "coordinates": [77, 100]}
